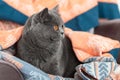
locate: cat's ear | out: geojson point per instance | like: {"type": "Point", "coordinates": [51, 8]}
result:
{"type": "Point", "coordinates": [44, 15]}
{"type": "Point", "coordinates": [56, 8]}
{"type": "Point", "coordinates": [44, 12]}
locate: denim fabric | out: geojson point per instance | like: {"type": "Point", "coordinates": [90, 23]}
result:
{"type": "Point", "coordinates": [99, 68]}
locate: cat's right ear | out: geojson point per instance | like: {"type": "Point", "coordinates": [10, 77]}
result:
{"type": "Point", "coordinates": [44, 15]}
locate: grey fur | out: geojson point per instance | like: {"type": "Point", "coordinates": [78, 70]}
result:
{"type": "Point", "coordinates": [46, 48]}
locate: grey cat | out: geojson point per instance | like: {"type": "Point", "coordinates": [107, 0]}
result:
{"type": "Point", "coordinates": [44, 45]}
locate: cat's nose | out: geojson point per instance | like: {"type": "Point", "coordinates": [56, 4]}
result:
{"type": "Point", "coordinates": [62, 33]}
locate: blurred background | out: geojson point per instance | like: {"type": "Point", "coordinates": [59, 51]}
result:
{"type": "Point", "coordinates": [119, 4]}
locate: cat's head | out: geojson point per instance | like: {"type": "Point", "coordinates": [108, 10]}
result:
{"type": "Point", "coordinates": [46, 24]}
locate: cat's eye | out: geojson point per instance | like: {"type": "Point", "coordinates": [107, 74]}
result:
{"type": "Point", "coordinates": [62, 26]}
{"type": "Point", "coordinates": [56, 28]}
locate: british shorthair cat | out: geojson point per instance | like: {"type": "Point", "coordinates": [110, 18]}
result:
{"type": "Point", "coordinates": [44, 44]}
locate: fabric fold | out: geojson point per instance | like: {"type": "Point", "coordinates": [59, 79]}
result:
{"type": "Point", "coordinates": [87, 45]}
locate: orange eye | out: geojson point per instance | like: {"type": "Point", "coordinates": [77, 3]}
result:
{"type": "Point", "coordinates": [56, 28]}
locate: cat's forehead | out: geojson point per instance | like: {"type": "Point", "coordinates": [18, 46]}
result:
{"type": "Point", "coordinates": [55, 16]}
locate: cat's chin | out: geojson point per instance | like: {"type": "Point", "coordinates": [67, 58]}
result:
{"type": "Point", "coordinates": [62, 36]}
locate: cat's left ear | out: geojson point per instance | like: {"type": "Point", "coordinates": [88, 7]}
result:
{"type": "Point", "coordinates": [56, 8]}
